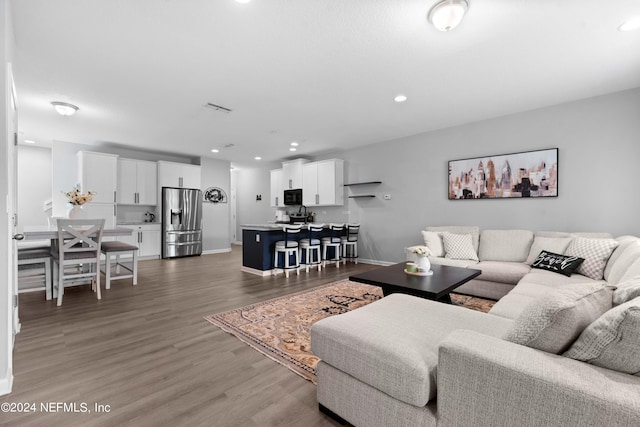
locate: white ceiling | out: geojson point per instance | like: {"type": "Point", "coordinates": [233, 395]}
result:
{"type": "Point", "coordinates": [320, 72]}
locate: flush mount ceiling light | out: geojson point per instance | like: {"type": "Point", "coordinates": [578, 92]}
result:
{"type": "Point", "coordinates": [65, 109]}
{"type": "Point", "coordinates": [630, 25]}
{"type": "Point", "coordinates": [258, 158]}
{"type": "Point", "coordinates": [292, 149]}
{"type": "Point", "coordinates": [400, 98]}
{"type": "Point", "coordinates": [215, 150]}
{"type": "Point", "coordinates": [447, 14]}
{"type": "Point", "coordinates": [294, 144]}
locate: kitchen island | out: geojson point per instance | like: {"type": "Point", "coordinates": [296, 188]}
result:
{"type": "Point", "coordinates": [258, 245]}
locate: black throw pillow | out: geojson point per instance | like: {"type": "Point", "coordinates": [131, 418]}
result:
{"type": "Point", "coordinates": [557, 263]}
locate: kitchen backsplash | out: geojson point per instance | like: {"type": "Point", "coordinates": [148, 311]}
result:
{"type": "Point", "coordinates": [135, 214]}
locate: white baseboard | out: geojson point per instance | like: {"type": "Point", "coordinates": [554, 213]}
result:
{"type": "Point", "coordinates": [256, 271]}
{"type": "Point", "coordinates": [216, 251]}
{"type": "Point", "coordinates": [375, 262]}
{"type": "Point", "coordinates": [6, 384]}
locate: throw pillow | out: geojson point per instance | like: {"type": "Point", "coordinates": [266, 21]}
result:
{"type": "Point", "coordinates": [613, 340]}
{"type": "Point", "coordinates": [458, 246]}
{"type": "Point", "coordinates": [557, 263]}
{"type": "Point", "coordinates": [627, 290]}
{"type": "Point", "coordinates": [552, 322]}
{"type": "Point", "coordinates": [433, 241]}
{"type": "Point", "coordinates": [595, 252]}
{"type": "Point", "coordinates": [549, 244]}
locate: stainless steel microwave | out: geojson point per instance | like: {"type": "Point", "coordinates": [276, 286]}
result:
{"type": "Point", "coordinates": [293, 197]}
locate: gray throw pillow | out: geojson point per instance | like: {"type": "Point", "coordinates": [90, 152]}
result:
{"type": "Point", "coordinates": [596, 253]}
{"type": "Point", "coordinates": [552, 322]}
{"type": "Point", "coordinates": [458, 246]}
{"type": "Point", "coordinates": [627, 290]}
{"type": "Point", "coordinates": [613, 340]}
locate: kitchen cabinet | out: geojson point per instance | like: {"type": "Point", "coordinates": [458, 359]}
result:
{"type": "Point", "coordinates": [146, 237]}
{"type": "Point", "coordinates": [323, 183]}
{"type": "Point", "coordinates": [137, 182]}
{"type": "Point", "coordinates": [180, 175]}
{"type": "Point", "coordinates": [292, 174]}
{"type": "Point", "coordinates": [276, 197]}
{"type": "Point", "coordinates": [101, 210]}
{"type": "Point", "coordinates": [98, 173]}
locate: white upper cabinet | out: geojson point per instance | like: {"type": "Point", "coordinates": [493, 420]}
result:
{"type": "Point", "coordinates": [323, 183]}
{"type": "Point", "coordinates": [137, 182]}
{"type": "Point", "coordinates": [181, 175]}
{"type": "Point", "coordinates": [98, 173]}
{"type": "Point", "coordinates": [292, 174]}
{"type": "Point", "coordinates": [276, 197]}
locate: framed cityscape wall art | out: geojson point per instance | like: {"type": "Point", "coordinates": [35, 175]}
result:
{"type": "Point", "coordinates": [505, 176]}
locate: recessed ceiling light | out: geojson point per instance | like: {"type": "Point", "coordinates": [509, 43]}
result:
{"type": "Point", "coordinates": [28, 141]}
{"type": "Point", "coordinates": [215, 150]}
{"type": "Point", "coordinates": [294, 144]}
{"type": "Point", "coordinates": [64, 109]}
{"type": "Point", "coordinates": [631, 24]}
{"type": "Point", "coordinates": [292, 149]}
{"type": "Point", "coordinates": [400, 98]}
{"type": "Point", "coordinates": [258, 158]}
{"type": "Point", "coordinates": [243, 1]}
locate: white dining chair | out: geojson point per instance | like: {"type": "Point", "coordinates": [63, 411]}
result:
{"type": "Point", "coordinates": [77, 256]}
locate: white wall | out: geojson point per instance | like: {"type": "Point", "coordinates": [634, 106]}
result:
{"type": "Point", "coordinates": [34, 184]}
{"type": "Point", "coordinates": [250, 183]}
{"type": "Point", "coordinates": [599, 151]}
{"type": "Point", "coordinates": [215, 216]}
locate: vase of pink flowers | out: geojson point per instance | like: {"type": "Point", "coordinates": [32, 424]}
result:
{"type": "Point", "coordinates": [77, 199]}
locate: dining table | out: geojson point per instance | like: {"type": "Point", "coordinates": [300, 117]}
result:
{"type": "Point", "coordinates": [35, 233]}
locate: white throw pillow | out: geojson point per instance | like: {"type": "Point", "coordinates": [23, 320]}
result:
{"type": "Point", "coordinates": [595, 252]}
{"type": "Point", "coordinates": [433, 241]}
{"type": "Point", "coordinates": [552, 322]}
{"type": "Point", "coordinates": [557, 245]}
{"type": "Point", "coordinates": [612, 341]}
{"type": "Point", "coordinates": [459, 246]}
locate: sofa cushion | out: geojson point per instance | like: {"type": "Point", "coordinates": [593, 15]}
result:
{"type": "Point", "coordinates": [505, 245]}
{"type": "Point", "coordinates": [458, 246]}
{"type": "Point", "coordinates": [365, 343]}
{"type": "Point", "coordinates": [551, 279]}
{"type": "Point", "coordinates": [626, 291]}
{"type": "Point", "coordinates": [551, 323]}
{"type": "Point", "coordinates": [550, 244]}
{"type": "Point", "coordinates": [433, 241]}
{"type": "Point", "coordinates": [561, 264]}
{"type": "Point", "coordinates": [462, 263]}
{"type": "Point", "coordinates": [595, 252]}
{"type": "Point", "coordinates": [502, 272]}
{"type": "Point", "coordinates": [632, 271]}
{"type": "Point", "coordinates": [621, 259]}
{"type": "Point", "coordinates": [613, 340]}
{"type": "Point", "coordinates": [460, 229]}
{"type": "Point", "coordinates": [623, 243]}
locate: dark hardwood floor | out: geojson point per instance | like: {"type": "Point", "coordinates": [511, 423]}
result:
{"type": "Point", "coordinates": [147, 352]}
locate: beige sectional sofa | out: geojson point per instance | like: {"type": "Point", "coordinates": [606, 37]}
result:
{"type": "Point", "coordinates": [555, 350]}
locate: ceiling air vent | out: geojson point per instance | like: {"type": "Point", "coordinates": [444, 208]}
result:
{"type": "Point", "coordinates": [218, 107]}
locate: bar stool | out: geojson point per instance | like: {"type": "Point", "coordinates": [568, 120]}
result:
{"type": "Point", "coordinates": [311, 246]}
{"type": "Point", "coordinates": [350, 243]}
{"type": "Point", "coordinates": [119, 248]}
{"type": "Point", "coordinates": [289, 248]}
{"type": "Point", "coordinates": [33, 256]}
{"type": "Point", "coordinates": [333, 241]}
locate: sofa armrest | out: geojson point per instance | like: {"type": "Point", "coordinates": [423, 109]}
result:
{"type": "Point", "coordinates": [484, 380]}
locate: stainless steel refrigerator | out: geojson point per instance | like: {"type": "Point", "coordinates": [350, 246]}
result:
{"type": "Point", "coordinates": [181, 222]}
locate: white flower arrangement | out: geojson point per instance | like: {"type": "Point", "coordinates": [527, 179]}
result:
{"type": "Point", "coordinates": [76, 198]}
{"type": "Point", "coordinates": [421, 251]}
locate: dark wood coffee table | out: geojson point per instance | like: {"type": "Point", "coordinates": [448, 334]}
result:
{"type": "Point", "coordinates": [393, 279]}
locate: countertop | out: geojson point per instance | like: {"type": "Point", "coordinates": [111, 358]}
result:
{"type": "Point", "coordinates": [271, 226]}
{"type": "Point", "coordinates": [138, 223]}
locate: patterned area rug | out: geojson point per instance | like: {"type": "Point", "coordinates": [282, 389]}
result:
{"type": "Point", "coordinates": [280, 328]}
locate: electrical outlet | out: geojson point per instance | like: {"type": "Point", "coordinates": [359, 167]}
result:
{"type": "Point", "coordinates": [387, 197]}
{"type": "Point", "coordinates": [257, 238]}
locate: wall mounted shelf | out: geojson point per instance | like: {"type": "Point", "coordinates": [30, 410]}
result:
{"type": "Point", "coordinates": [362, 196]}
